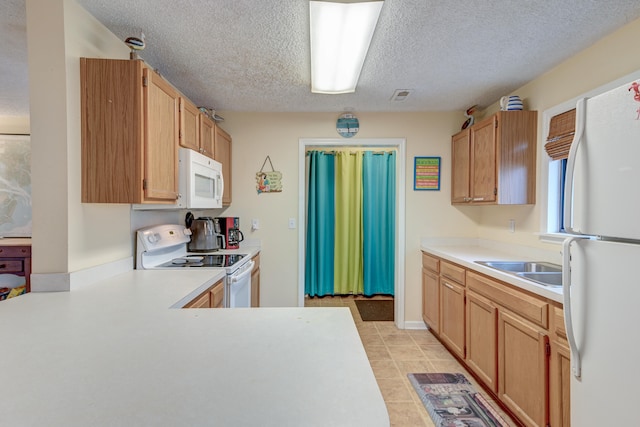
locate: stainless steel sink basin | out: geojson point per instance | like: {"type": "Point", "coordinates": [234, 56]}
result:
{"type": "Point", "coordinates": [546, 279]}
{"type": "Point", "coordinates": [523, 266]}
{"type": "Point", "coordinates": [543, 273]}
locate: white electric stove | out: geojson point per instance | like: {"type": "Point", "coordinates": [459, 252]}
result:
{"type": "Point", "coordinates": [165, 247]}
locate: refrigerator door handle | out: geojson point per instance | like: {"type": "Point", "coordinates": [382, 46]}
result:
{"type": "Point", "coordinates": [571, 163]}
{"type": "Point", "coordinates": [576, 364]}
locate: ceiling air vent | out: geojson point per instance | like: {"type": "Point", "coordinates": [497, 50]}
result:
{"type": "Point", "coordinates": [401, 94]}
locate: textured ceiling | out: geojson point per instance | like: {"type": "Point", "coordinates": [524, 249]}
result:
{"type": "Point", "coordinates": [253, 55]}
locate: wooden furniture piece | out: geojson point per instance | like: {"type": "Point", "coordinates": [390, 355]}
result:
{"type": "Point", "coordinates": [494, 161]}
{"type": "Point", "coordinates": [452, 287]}
{"type": "Point", "coordinates": [431, 292]}
{"type": "Point", "coordinates": [255, 281]}
{"type": "Point", "coordinates": [189, 125]}
{"type": "Point", "coordinates": [16, 260]}
{"type": "Point", "coordinates": [207, 136]}
{"type": "Point", "coordinates": [513, 341]}
{"type": "Point", "coordinates": [130, 127]}
{"type": "Point", "coordinates": [213, 297]}
{"type": "Point", "coordinates": [222, 153]}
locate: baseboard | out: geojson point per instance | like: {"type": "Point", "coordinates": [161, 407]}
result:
{"type": "Point", "coordinates": [64, 282]}
{"type": "Point", "coordinates": [415, 324]}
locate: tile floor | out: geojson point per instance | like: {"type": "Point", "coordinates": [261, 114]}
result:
{"type": "Point", "coordinates": [393, 353]}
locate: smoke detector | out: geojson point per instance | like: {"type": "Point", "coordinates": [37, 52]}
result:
{"type": "Point", "coordinates": [401, 94]}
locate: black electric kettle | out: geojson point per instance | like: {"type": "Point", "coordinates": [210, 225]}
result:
{"type": "Point", "coordinates": [205, 233]}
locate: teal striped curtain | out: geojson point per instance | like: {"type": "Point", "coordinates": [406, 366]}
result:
{"type": "Point", "coordinates": [350, 247]}
{"type": "Point", "coordinates": [320, 224]}
{"type": "Point", "coordinates": [379, 222]}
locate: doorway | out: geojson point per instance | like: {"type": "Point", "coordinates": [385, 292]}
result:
{"type": "Point", "coordinates": [378, 143]}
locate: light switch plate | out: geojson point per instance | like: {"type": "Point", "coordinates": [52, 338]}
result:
{"type": "Point", "coordinates": [292, 223]}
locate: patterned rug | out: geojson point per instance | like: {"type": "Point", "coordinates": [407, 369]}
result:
{"type": "Point", "coordinates": [375, 309]}
{"type": "Point", "coordinates": [452, 401]}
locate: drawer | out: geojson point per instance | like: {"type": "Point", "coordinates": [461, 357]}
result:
{"type": "Point", "coordinates": [527, 306]}
{"type": "Point", "coordinates": [430, 262]}
{"type": "Point", "coordinates": [203, 301]}
{"type": "Point", "coordinates": [15, 251]}
{"type": "Point", "coordinates": [11, 266]}
{"type": "Point", "coordinates": [453, 272]}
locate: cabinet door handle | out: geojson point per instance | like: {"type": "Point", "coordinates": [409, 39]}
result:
{"type": "Point", "coordinates": [478, 199]}
{"type": "Point", "coordinates": [3, 265]}
{"type": "Point", "coordinates": [449, 286]}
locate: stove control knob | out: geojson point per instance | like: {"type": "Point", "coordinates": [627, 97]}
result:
{"type": "Point", "coordinates": [152, 238]}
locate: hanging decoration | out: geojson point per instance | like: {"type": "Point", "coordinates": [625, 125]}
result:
{"type": "Point", "coordinates": [268, 181]}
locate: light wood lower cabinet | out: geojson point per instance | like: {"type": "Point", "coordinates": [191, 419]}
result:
{"type": "Point", "coordinates": [255, 282]}
{"type": "Point", "coordinates": [523, 368]}
{"type": "Point", "coordinates": [213, 297]}
{"type": "Point", "coordinates": [482, 338]}
{"type": "Point", "coordinates": [452, 315]}
{"type": "Point", "coordinates": [512, 341]}
{"type": "Point", "coordinates": [559, 374]}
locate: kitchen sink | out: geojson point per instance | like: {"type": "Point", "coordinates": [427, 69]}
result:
{"type": "Point", "coordinates": [546, 279]}
{"type": "Point", "coordinates": [543, 273]}
{"type": "Point", "coordinates": [523, 266]}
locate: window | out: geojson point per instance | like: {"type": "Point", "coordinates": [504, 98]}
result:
{"type": "Point", "coordinates": [561, 132]}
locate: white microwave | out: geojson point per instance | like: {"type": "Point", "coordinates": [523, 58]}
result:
{"type": "Point", "coordinates": [200, 181]}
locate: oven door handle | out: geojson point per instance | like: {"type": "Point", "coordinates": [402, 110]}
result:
{"type": "Point", "coordinates": [245, 272]}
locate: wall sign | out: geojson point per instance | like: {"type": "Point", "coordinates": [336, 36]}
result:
{"type": "Point", "coordinates": [426, 175]}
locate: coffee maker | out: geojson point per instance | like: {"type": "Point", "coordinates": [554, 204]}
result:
{"type": "Point", "coordinates": [230, 230]}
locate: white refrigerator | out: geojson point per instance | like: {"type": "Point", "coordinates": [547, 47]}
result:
{"type": "Point", "coordinates": [601, 274]}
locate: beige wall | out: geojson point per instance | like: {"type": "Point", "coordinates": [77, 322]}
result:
{"type": "Point", "coordinates": [67, 235]}
{"type": "Point", "coordinates": [428, 213]}
{"type": "Point", "coordinates": [609, 59]}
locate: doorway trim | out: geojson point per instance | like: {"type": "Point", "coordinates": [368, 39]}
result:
{"type": "Point", "coordinates": [400, 145]}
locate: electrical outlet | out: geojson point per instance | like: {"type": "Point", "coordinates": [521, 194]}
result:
{"type": "Point", "coordinates": [255, 224]}
{"type": "Point", "coordinates": [292, 223]}
{"type": "Point", "coordinates": [512, 226]}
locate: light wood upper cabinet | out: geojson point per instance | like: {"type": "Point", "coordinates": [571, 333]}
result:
{"type": "Point", "coordinates": [207, 136]}
{"type": "Point", "coordinates": [222, 153]}
{"type": "Point", "coordinates": [494, 161]}
{"type": "Point", "coordinates": [460, 154]}
{"type": "Point", "coordinates": [189, 125]}
{"type": "Point", "coordinates": [130, 128]}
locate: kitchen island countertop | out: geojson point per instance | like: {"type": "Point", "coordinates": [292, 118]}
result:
{"type": "Point", "coordinates": [114, 353]}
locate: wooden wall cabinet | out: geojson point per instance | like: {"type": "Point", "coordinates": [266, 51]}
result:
{"type": "Point", "coordinates": [189, 125]}
{"type": "Point", "coordinates": [494, 161]}
{"type": "Point", "coordinates": [222, 153]}
{"type": "Point", "coordinates": [255, 281]}
{"type": "Point", "coordinates": [207, 136]}
{"type": "Point", "coordinates": [130, 133]}
{"type": "Point", "coordinates": [213, 297]}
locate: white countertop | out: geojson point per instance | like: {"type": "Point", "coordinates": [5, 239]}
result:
{"type": "Point", "coordinates": [113, 354]}
{"type": "Point", "coordinates": [466, 252]}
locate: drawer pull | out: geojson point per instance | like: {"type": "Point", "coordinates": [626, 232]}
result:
{"type": "Point", "coordinates": [449, 286]}
{"type": "Point", "coordinates": [3, 265]}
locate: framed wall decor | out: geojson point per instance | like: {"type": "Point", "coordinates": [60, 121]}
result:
{"type": "Point", "coordinates": [426, 173]}
{"type": "Point", "coordinates": [15, 185]}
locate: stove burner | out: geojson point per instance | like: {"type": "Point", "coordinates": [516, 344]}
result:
{"type": "Point", "coordinates": [203, 261]}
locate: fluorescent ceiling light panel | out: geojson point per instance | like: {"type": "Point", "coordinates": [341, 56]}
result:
{"type": "Point", "coordinates": [340, 38]}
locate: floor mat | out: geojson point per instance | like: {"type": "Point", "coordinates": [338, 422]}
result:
{"type": "Point", "coordinates": [375, 310]}
{"type": "Point", "coordinates": [452, 401]}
